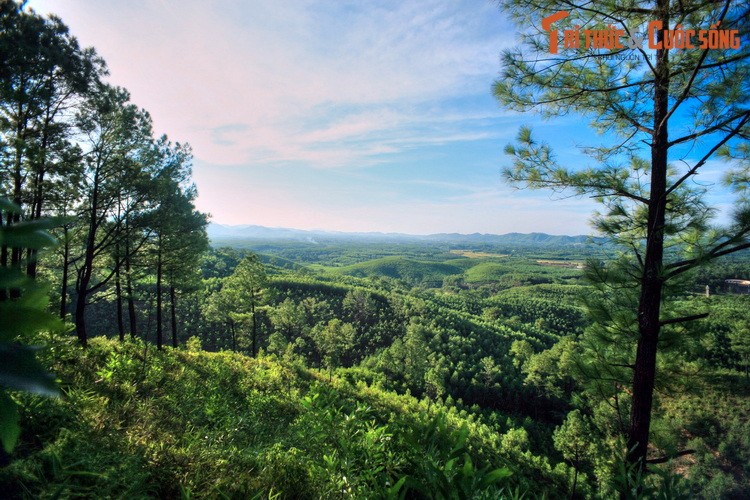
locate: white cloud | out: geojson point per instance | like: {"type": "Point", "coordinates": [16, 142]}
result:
{"type": "Point", "coordinates": [284, 102]}
{"type": "Point", "coordinates": [287, 76]}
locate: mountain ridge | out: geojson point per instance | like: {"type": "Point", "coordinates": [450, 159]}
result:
{"type": "Point", "coordinates": [224, 233]}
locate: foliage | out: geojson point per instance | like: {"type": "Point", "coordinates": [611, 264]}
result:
{"type": "Point", "coordinates": [225, 424]}
{"type": "Point", "coordinates": [22, 318]}
{"type": "Point", "coordinates": [332, 341]}
{"type": "Point", "coordinates": [240, 295]}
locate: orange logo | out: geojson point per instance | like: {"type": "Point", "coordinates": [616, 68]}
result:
{"type": "Point", "coordinates": [547, 26]}
{"type": "Point", "coordinates": [614, 38]}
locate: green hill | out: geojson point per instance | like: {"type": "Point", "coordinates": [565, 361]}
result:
{"type": "Point", "coordinates": [136, 422]}
{"type": "Point", "coordinates": [401, 268]}
{"type": "Point", "coordinates": [487, 271]}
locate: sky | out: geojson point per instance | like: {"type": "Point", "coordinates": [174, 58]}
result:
{"type": "Point", "coordinates": [334, 115]}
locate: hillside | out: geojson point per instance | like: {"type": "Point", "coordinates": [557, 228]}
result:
{"type": "Point", "coordinates": [369, 387]}
{"type": "Point", "coordinates": [401, 268]}
{"type": "Point", "coordinates": [135, 422]}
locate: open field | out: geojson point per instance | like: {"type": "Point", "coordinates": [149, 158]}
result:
{"type": "Point", "coordinates": [477, 255]}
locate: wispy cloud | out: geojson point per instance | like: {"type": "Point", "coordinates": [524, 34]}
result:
{"type": "Point", "coordinates": [262, 81]}
{"type": "Point", "coordinates": [341, 115]}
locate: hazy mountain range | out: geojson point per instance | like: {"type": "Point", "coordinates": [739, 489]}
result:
{"type": "Point", "coordinates": [225, 234]}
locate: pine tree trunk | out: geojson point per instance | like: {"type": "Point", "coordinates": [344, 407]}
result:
{"type": "Point", "coordinates": [84, 277]}
{"type": "Point", "coordinates": [80, 310]}
{"type": "Point", "coordinates": [159, 339]}
{"type": "Point", "coordinates": [118, 295]}
{"type": "Point", "coordinates": [129, 285]}
{"type": "Point", "coordinates": [65, 270]}
{"type": "Point", "coordinates": [118, 285]}
{"type": "Point", "coordinates": [649, 305]}
{"type": "Point", "coordinates": [4, 248]}
{"type": "Point", "coordinates": [18, 176]}
{"type": "Point", "coordinates": [255, 327]}
{"type": "Point", "coordinates": [31, 262]}
{"type": "Point", "coordinates": [83, 284]}
{"type": "Point", "coordinates": [38, 201]}
{"type": "Point", "coordinates": [173, 306]}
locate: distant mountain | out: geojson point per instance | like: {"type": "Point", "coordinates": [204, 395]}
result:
{"type": "Point", "coordinates": [224, 234]}
{"type": "Point", "coordinates": [530, 239]}
{"type": "Point", "coordinates": [247, 231]}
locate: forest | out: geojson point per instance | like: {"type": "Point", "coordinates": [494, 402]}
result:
{"type": "Point", "coordinates": [142, 359]}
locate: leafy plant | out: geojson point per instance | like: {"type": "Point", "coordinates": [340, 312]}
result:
{"type": "Point", "coordinates": [451, 475]}
{"type": "Point", "coordinates": [22, 313]}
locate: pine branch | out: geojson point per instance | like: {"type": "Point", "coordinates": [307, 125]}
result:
{"type": "Point", "coordinates": [683, 319]}
{"type": "Point", "coordinates": [708, 155]}
{"type": "Point", "coordinates": [744, 116]}
{"type": "Point", "coordinates": [686, 265]}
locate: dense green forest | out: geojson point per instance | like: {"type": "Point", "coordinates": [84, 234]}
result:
{"type": "Point", "coordinates": [356, 369]}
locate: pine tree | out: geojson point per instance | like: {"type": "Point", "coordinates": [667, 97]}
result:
{"type": "Point", "coordinates": [666, 113]}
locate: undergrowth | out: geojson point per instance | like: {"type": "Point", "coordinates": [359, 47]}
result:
{"type": "Point", "coordinates": [136, 422]}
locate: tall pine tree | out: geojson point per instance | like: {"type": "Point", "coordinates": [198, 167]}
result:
{"type": "Point", "coordinates": [666, 114]}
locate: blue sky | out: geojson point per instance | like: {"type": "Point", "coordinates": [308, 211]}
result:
{"type": "Point", "coordinates": [336, 115]}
